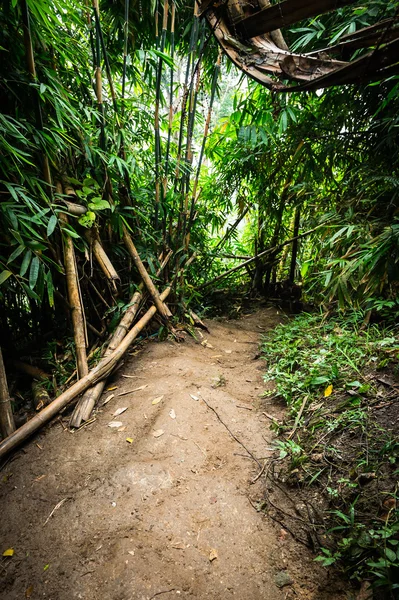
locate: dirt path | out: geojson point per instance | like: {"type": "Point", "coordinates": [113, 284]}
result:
{"type": "Point", "coordinates": [166, 516]}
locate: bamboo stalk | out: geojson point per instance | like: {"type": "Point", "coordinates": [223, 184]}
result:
{"type": "Point", "coordinates": [86, 404]}
{"type": "Point", "coordinates": [30, 61]}
{"type": "Point", "coordinates": [275, 249]}
{"type": "Point", "coordinates": [74, 297]}
{"type": "Point", "coordinates": [98, 74]}
{"type": "Point", "coordinates": [156, 117]}
{"type": "Point", "coordinates": [162, 309]}
{"type": "Point", "coordinates": [7, 424]}
{"type": "Point", "coordinates": [295, 244]}
{"type": "Point", "coordinates": [30, 370]}
{"type": "Point", "coordinates": [103, 369]}
{"type": "Point", "coordinates": [104, 262]}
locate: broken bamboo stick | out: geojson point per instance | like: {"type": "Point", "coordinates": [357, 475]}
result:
{"type": "Point", "coordinates": [87, 402]}
{"type": "Point", "coordinates": [40, 395]}
{"type": "Point", "coordinates": [162, 309]}
{"type": "Point", "coordinates": [7, 424]}
{"type": "Point", "coordinates": [74, 297]}
{"type": "Point", "coordinates": [102, 370]}
{"type": "Point", "coordinates": [275, 249]}
{"type": "Point", "coordinates": [102, 258]}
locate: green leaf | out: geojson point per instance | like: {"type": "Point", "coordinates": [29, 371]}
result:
{"type": "Point", "coordinates": [99, 204]}
{"type": "Point", "coordinates": [4, 276]}
{"type": "Point", "coordinates": [88, 219]}
{"type": "Point", "coordinates": [52, 224]}
{"type": "Point", "coordinates": [16, 253]}
{"type": "Point", "coordinates": [50, 288]}
{"type": "Point", "coordinates": [25, 263]}
{"type": "Point", "coordinates": [34, 272]}
{"type": "Point", "coordinates": [390, 554]}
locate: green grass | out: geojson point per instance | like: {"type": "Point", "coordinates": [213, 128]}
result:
{"type": "Point", "coordinates": [339, 438]}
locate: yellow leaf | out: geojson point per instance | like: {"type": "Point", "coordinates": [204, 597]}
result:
{"type": "Point", "coordinates": [129, 440]}
{"type": "Point", "coordinates": [9, 552]}
{"type": "Point", "coordinates": [328, 391]}
{"type": "Point", "coordinates": [111, 389]}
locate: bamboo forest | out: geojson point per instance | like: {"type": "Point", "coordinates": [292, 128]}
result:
{"type": "Point", "coordinates": [199, 299]}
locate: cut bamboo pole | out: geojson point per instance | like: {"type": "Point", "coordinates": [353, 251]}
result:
{"type": "Point", "coordinates": [254, 258]}
{"type": "Point", "coordinates": [103, 369]}
{"type": "Point", "coordinates": [74, 298]}
{"type": "Point", "coordinates": [7, 424]}
{"type": "Point", "coordinates": [163, 311]}
{"type": "Point", "coordinates": [86, 404]}
{"type": "Point", "coordinates": [104, 262]}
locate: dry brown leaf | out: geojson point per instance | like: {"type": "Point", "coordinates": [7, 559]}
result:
{"type": "Point", "coordinates": [119, 411]}
{"type": "Point", "coordinates": [29, 591]}
{"type": "Point", "coordinates": [158, 433]}
{"type": "Point", "coordinates": [178, 545]}
{"type": "Point", "coordinates": [122, 429]}
{"type": "Point", "coordinates": [157, 400]}
{"type": "Point", "coordinates": [213, 555]}
{"type": "Point", "coordinates": [115, 424]}
{"type": "Point", "coordinates": [131, 391]}
{"type": "Point", "coordinates": [108, 399]}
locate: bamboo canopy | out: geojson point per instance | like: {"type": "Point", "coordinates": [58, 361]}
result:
{"type": "Point", "coordinates": [252, 36]}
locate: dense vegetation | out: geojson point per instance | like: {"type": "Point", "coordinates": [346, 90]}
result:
{"type": "Point", "coordinates": [137, 119]}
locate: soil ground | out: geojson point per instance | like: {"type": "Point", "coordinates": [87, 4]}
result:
{"type": "Point", "coordinates": [139, 516]}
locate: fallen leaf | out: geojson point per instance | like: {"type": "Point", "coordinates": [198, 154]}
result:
{"type": "Point", "coordinates": [213, 555]}
{"type": "Point", "coordinates": [228, 351]}
{"type": "Point", "coordinates": [111, 389]}
{"type": "Point", "coordinates": [129, 440]}
{"type": "Point", "coordinates": [178, 545]}
{"type": "Point", "coordinates": [194, 397]}
{"type": "Point", "coordinates": [29, 591]}
{"type": "Point", "coordinates": [119, 411]}
{"type": "Point", "coordinates": [122, 428]}
{"type": "Point", "coordinates": [115, 424]}
{"type": "Point", "coordinates": [131, 391]}
{"type": "Point", "coordinates": [45, 567]}
{"type": "Point", "coordinates": [130, 376]}
{"type": "Point", "coordinates": [157, 400]}
{"type": "Point", "coordinates": [158, 433]}
{"type": "Point", "coordinates": [172, 414]}
{"type": "Point", "coordinates": [108, 399]}
{"type": "Point", "coordinates": [8, 552]}
{"type": "Point", "coordinates": [328, 391]}
{"type": "Point", "coordinates": [131, 552]}
{"type": "Point", "coordinates": [217, 356]}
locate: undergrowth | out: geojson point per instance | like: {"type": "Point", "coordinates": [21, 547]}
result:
{"type": "Point", "coordinates": [339, 444]}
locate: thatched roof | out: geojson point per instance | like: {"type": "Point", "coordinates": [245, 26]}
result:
{"type": "Point", "coordinates": [252, 35]}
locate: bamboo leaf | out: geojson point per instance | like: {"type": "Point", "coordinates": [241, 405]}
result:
{"type": "Point", "coordinates": [25, 263]}
{"type": "Point", "coordinates": [16, 253]}
{"type": "Point", "coordinates": [52, 224]}
{"type": "Point", "coordinates": [4, 276]}
{"type": "Point", "coordinates": [34, 272]}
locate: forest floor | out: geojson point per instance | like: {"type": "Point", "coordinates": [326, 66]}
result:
{"type": "Point", "coordinates": [163, 504]}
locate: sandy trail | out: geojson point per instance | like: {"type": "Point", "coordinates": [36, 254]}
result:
{"type": "Point", "coordinates": [168, 516]}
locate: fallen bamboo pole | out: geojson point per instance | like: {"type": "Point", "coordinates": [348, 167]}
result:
{"type": "Point", "coordinates": [260, 255]}
{"type": "Point", "coordinates": [7, 424]}
{"type": "Point", "coordinates": [74, 298]}
{"type": "Point", "coordinates": [162, 309]}
{"type": "Point", "coordinates": [87, 402]}
{"type": "Point", "coordinates": [102, 370]}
